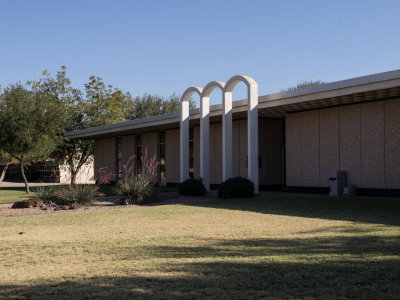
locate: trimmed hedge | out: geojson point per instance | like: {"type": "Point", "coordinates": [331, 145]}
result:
{"type": "Point", "coordinates": [236, 187]}
{"type": "Point", "coordinates": [192, 187]}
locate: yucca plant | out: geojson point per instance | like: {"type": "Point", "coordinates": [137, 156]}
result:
{"type": "Point", "coordinates": [46, 193]}
{"type": "Point", "coordinates": [82, 193]}
{"type": "Point", "coordinates": [137, 189]}
{"type": "Point", "coordinates": [134, 191]}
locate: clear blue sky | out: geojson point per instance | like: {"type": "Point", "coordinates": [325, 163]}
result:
{"type": "Point", "coordinates": [165, 46]}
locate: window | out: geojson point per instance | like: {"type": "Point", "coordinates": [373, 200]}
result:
{"type": "Point", "coordinates": [161, 151]}
{"type": "Point", "coordinates": [139, 154]}
{"type": "Point", "coordinates": [118, 151]}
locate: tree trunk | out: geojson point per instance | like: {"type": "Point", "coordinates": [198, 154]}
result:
{"type": "Point", "coordinates": [24, 177]}
{"type": "Point", "coordinates": [3, 173]}
{"type": "Point", "coordinates": [73, 177]}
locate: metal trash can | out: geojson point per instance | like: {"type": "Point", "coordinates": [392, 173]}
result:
{"type": "Point", "coordinates": [337, 182]}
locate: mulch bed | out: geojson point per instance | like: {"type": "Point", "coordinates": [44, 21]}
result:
{"type": "Point", "coordinates": [34, 207]}
{"type": "Point", "coordinates": [43, 205]}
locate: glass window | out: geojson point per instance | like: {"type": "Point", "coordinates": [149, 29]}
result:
{"type": "Point", "coordinates": [119, 157]}
{"type": "Point", "coordinates": [139, 154]}
{"type": "Point", "coordinates": [162, 155]}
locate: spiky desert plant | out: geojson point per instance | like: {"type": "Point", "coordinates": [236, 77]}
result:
{"type": "Point", "coordinates": [137, 188]}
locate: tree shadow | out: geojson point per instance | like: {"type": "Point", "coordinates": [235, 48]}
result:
{"type": "Point", "coordinates": [368, 210]}
{"type": "Point", "coordinates": [237, 269]}
{"type": "Point", "coordinates": [338, 245]}
{"type": "Point", "coordinates": [13, 188]}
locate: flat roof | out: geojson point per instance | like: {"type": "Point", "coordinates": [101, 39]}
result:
{"type": "Point", "coordinates": [355, 90]}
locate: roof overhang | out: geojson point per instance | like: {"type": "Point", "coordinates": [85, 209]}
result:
{"type": "Point", "coordinates": [361, 89]}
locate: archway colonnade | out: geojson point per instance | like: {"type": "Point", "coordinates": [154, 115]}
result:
{"type": "Point", "coordinates": [252, 129]}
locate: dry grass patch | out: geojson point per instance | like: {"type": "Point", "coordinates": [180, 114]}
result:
{"type": "Point", "coordinates": [275, 247]}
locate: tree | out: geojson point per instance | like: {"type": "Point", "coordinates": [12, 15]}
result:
{"type": "Point", "coordinates": [29, 125]}
{"type": "Point", "coordinates": [152, 105]}
{"type": "Point", "coordinates": [304, 84]}
{"type": "Point", "coordinates": [105, 104]}
{"type": "Point", "coordinates": [73, 153]}
{"type": "Point", "coordinates": [6, 160]}
{"type": "Point", "coordinates": [100, 104]}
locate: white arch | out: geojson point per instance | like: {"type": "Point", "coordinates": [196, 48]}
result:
{"type": "Point", "coordinates": [184, 131]}
{"type": "Point", "coordinates": [205, 130]}
{"type": "Point", "coordinates": [252, 128]}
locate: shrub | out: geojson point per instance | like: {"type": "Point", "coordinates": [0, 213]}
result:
{"type": "Point", "coordinates": [236, 187]}
{"type": "Point", "coordinates": [46, 193]}
{"type": "Point", "coordinates": [135, 191]}
{"type": "Point", "coordinates": [82, 193]}
{"type": "Point", "coordinates": [192, 187]}
{"type": "Point", "coordinates": [135, 185]}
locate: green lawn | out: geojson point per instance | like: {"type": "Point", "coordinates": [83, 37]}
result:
{"type": "Point", "coordinates": [300, 247]}
{"type": "Point", "coordinates": [11, 195]}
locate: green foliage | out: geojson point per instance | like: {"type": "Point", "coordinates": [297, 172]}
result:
{"type": "Point", "coordinates": [29, 123]}
{"type": "Point", "coordinates": [105, 104]}
{"type": "Point", "coordinates": [36, 119]}
{"type": "Point", "coordinates": [236, 187]}
{"type": "Point", "coordinates": [82, 193]}
{"type": "Point", "coordinates": [46, 193]}
{"type": "Point", "coordinates": [153, 105]}
{"type": "Point", "coordinates": [58, 88]}
{"type": "Point", "coordinates": [304, 84]}
{"type": "Point", "coordinates": [135, 191]}
{"type": "Point", "coordinates": [6, 158]}
{"type": "Point", "coordinates": [192, 187]}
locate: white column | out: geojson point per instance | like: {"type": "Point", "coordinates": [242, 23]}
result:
{"type": "Point", "coordinates": [204, 141]}
{"type": "Point", "coordinates": [252, 135]}
{"type": "Point", "coordinates": [227, 135]}
{"type": "Point", "coordinates": [252, 127]}
{"type": "Point", "coordinates": [184, 140]}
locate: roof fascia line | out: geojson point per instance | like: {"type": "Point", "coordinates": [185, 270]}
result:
{"type": "Point", "coordinates": [126, 124]}
{"type": "Point", "coordinates": [386, 76]}
{"type": "Point", "coordinates": [334, 89]}
{"type": "Point", "coordinates": [269, 101]}
{"type": "Point", "coordinates": [74, 135]}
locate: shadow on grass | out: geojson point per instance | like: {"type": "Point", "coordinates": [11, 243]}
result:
{"type": "Point", "coordinates": [17, 189]}
{"type": "Point", "coordinates": [340, 245]}
{"type": "Point", "coordinates": [237, 269]}
{"type": "Point", "coordinates": [368, 210]}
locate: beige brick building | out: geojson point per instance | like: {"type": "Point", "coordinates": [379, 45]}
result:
{"type": "Point", "coordinates": [303, 136]}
